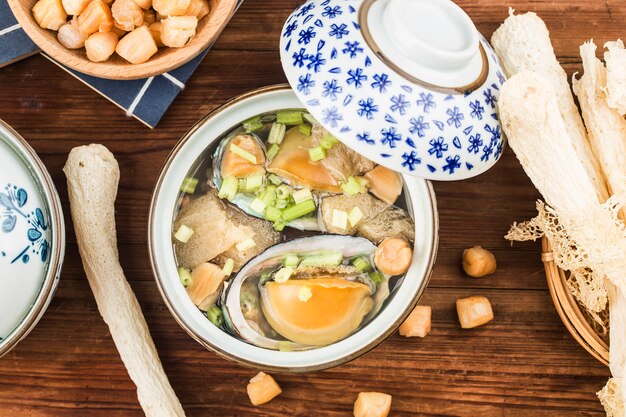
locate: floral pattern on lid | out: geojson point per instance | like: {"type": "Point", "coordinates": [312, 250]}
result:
{"type": "Point", "coordinates": [440, 134]}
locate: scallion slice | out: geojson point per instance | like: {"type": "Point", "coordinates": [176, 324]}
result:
{"type": "Point", "coordinates": [268, 196]}
{"type": "Point", "coordinates": [185, 276]}
{"type": "Point", "coordinates": [279, 225]}
{"type": "Point", "coordinates": [239, 151]}
{"type": "Point", "coordinates": [325, 259]}
{"type": "Point", "coordinates": [281, 203]}
{"type": "Point", "coordinates": [301, 195]}
{"type": "Point", "coordinates": [274, 179]}
{"type": "Point", "coordinates": [376, 277]}
{"type": "Point", "coordinates": [215, 316]}
{"type": "Point", "coordinates": [229, 188]}
{"type": "Point", "coordinates": [355, 216]}
{"type": "Point", "coordinates": [272, 214]}
{"type": "Point", "coordinates": [328, 141]}
{"type": "Point", "coordinates": [309, 118]}
{"type": "Point", "coordinates": [283, 192]}
{"type": "Point", "coordinates": [251, 183]}
{"type": "Point", "coordinates": [353, 187]}
{"type": "Point", "coordinates": [283, 274]}
{"type": "Point", "coordinates": [289, 117]}
{"type": "Point", "coordinates": [361, 264]}
{"type": "Point", "coordinates": [252, 124]}
{"type": "Point", "coordinates": [277, 133]}
{"type": "Point", "coordinates": [229, 265]}
{"type": "Point", "coordinates": [291, 260]}
{"type": "Point", "coordinates": [189, 185]}
{"type": "Point", "coordinates": [272, 151]}
{"type": "Point", "coordinates": [258, 206]}
{"type": "Point", "coordinates": [298, 210]}
{"type": "Point", "coordinates": [184, 233]}
{"type": "Point", "coordinates": [305, 129]}
{"type": "Point", "coordinates": [317, 154]}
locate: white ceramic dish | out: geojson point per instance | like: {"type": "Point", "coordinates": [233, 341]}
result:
{"type": "Point", "coordinates": [32, 238]}
{"type": "Point", "coordinates": [420, 201]}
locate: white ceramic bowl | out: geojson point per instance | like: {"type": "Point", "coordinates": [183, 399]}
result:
{"type": "Point", "coordinates": [421, 204]}
{"type": "Point", "coordinates": [32, 238]}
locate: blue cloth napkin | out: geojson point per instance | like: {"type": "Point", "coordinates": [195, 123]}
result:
{"type": "Point", "coordinates": [147, 100]}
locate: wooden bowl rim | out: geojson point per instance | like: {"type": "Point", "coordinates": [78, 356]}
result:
{"type": "Point", "coordinates": [568, 308]}
{"type": "Point", "coordinates": [215, 22]}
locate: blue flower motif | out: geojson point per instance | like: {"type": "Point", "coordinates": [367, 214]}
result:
{"type": "Point", "coordinates": [315, 62]}
{"type": "Point", "coordinates": [418, 126]}
{"type": "Point", "coordinates": [399, 104]}
{"type": "Point", "coordinates": [452, 164]}
{"type": "Point", "coordinates": [365, 137]}
{"type": "Point", "coordinates": [352, 48]}
{"type": "Point", "coordinates": [331, 89]}
{"type": "Point", "coordinates": [331, 12]}
{"type": "Point", "coordinates": [290, 28]}
{"type": "Point", "coordinates": [501, 77]}
{"type": "Point", "coordinates": [410, 160]}
{"type": "Point", "coordinates": [487, 151]}
{"type": "Point", "coordinates": [437, 147]}
{"type": "Point", "coordinates": [299, 58]}
{"type": "Point", "coordinates": [331, 116]}
{"type": "Point", "coordinates": [426, 100]}
{"type": "Point", "coordinates": [367, 108]}
{"type": "Point", "coordinates": [475, 143]}
{"type": "Point", "coordinates": [305, 8]}
{"type": "Point", "coordinates": [305, 83]}
{"type": "Point", "coordinates": [490, 99]}
{"type": "Point", "coordinates": [381, 81]}
{"type": "Point", "coordinates": [390, 137]}
{"type": "Point", "coordinates": [356, 77]}
{"type": "Point", "coordinates": [477, 110]}
{"type": "Point", "coordinates": [338, 31]}
{"type": "Point", "coordinates": [498, 150]}
{"type": "Point", "coordinates": [306, 35]}
{"type": "Point", "coordinates": [455, 117]}
{"type": "Point", "coordinates": [495, 133]}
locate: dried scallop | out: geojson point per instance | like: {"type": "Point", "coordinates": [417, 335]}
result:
{"type": "Point", "coordinates": [96, 17]}
{"type": "Point", "coordinates": [137, 47]}
{"type": "Point", "coordinates": [197, 8]}
{"type": "Point", "coordinates": [171, 7]}
{"type": "Point", "coordinates": [100, 46]}
{"type": "Point", "coordinates": [177, 31]}
{"type": "Point", "coordinates": [127, 14]}
{"type": "Point", "coordinates": [74, 7]}
{"type": "Point", "coordinates": [155, 31]}
{"type": "Point", "coordinates": [50, 14]}
{"type": "Point", "coordinates": [70, 35]}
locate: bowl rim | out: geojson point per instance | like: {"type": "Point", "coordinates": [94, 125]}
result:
{"type": "Point", "coordinates": [153, 67]}
{"type": "Point", "coordinates": [53, 202]}
{"type": "Point", "coordinates": [390, 328]}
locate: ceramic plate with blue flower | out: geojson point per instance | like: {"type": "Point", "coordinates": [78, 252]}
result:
{"type": "Point", "coordinates": [409, 126]}
{"type": "Point", "coordinates": [29, 260]}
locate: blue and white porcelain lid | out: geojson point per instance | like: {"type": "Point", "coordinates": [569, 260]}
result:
{"type": "Point", "coordinates": [31, 235]}
{"type": "Point", "coordinates": [410, 84]}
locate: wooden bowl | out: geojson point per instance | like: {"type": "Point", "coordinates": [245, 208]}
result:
{"type": "Point", "coordinates": [571, 312]}
{"type": "Point", "coordinates": [116, 68]}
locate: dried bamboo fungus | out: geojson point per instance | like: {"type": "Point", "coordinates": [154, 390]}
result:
{"type": "Point", "coordinates": [615, 59]}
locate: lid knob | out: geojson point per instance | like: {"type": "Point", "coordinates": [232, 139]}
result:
{"type": "Point", "coordinates": [434, 41]}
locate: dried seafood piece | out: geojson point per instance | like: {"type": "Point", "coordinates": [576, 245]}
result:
{"type": "Point", "coordinates": [177, 31]}
{"type": "Point", "coordinates": [70, 35]}
{"type": "Point", "coordinates": [100, 46]}
{"type": "Point", "coordinates": [615, 59]}
{"type": "Point", "coordinates": [611, 399]}
{"type": "Point", "coordinates": [96, 17]}
{"type": "Point", "coordinates": [137, 46]}
{"type": "Point", "coordinates": [49, 14]}
{"type": "Point", "coordinates": [74, 7]}
{"type": "Point", "coordinates": [127, 14]}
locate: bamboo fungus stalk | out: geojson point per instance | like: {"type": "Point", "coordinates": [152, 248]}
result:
{"type": "Point", "coordinates": [522, 43]}
{"type": "Point", "coordinates": [615, 59]}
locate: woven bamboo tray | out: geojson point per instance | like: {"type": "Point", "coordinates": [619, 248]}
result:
{"type": "Point", "coordinates": [570, 310]}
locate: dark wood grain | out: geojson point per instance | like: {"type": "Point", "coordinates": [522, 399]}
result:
{"type": "Point", "coordinates": [524, 363]}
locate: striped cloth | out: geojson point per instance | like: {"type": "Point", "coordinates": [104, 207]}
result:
{"type": "Point", "coordinates": [147, 100]}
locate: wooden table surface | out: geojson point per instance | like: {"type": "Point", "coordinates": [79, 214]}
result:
{"type": "Point", "coordinates": [523, 363]}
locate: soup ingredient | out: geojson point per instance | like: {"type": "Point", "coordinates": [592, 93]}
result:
{"type": "Point", "coordinates": [197, 8]}
{"type": "Point", "coordinates": [368, 206]}
{"type": "Point", "coordinates": [355, 216]}
{"type": "Point", "coordinates": [392, 222]}
{"type": "Point", "coordinates": [100, 46]}
{"type": "Point", "coordinates": [243, 157]}
{"type": "Point", "coordinates": [301, 195]}
{"type": "Point", "coordinates": [333, 309]}
{"type": "Point", "coordinates": [298, 210]}
{"type": "Point", "coordinates": [74, 7]}
{"type": "Point", "coordinates": [340, 219]}
{"type": "Point", "coordinates": [478, 262]}
{"type": "Point", "coordinates": [177, 31]}
{"type": "Point", "coordinates": [229, 265]}
{"type": "Point", "coordinates": [206, 285]}
{"type": "Point", "coordinates": [522, 43]}
{"type": "Point", "coordinates": [184, 233]}
{"type": "Point", "coordinates": [262, 388]}
{"type": "Point", "coordinates": [215, 316]}
{"type": "Point", "coordinates": [184, 276]}
{"type": "Point", "coordinates": [155, 31]}
{"type": "Point", "coordinates": [418, 323]}
{"type": "Point", "coordinates": [474, 311]}
{"type": "Point", "coordinates": [170, 7]}
{"type": "Point", "coordinates": [352, 186]}
{"type": "Point", "coordinates": [615, 59]}
{"type": "Point", "coordinates": [49, 14]}
{"type": "Point", "coordinates": [149, 16]}
{"type": "Point", "coordinates": [317, 154]}
{"type": "Point", "coordinates": [189, 185]}
{"type": "Point", "coordinates": [289, 117]}
{"type": "Point", "coordinates": [611, 399]}
{"type": "Point", "coordinates": [96, 17]}
{"type": "Point", "coordinates": [127, 14]}
{"type": "Point", "coordinates": [137, 46]}
{"type": "Point", "coordinates": [92, 179]}
{"type": "Point", "coordinates": [277, 133]}
{"type": "Point", "coordinates": [393, 256]}
{"type": "Point", "coordinates": [372, 404]}
{"type": "Point", "coordinates": [70, 35]}
{"type": "Point", "coordinates": [384, 184]}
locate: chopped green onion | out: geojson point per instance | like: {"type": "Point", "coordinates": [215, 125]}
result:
{"type": "Point", "coordinates": [215, 316]}
{"type": "Point", "coordinates": [291, 260]}
{"type": "Point", "coordinates": [251, 183]}
{"type": "Point", "coordinates": [185, 276]}
{"type": "Point", "coordinates": [301, 195]}
{"type": "Point", "coordinates": [289, 117]}
{"type": "Point", "coordinates": [317, 154]}
{"type": "Point", "coordinates": [279, 225]}
{"type": "Point", "coordinates": [268, 196]}
{"type": "Point", "coordinates": [189, 185]}
{"type": "Point", "coordinates": [275, 179]}
{"type": "Point", "coordinates": [245, 245]}
{"type": "Point", "coordinates": [277, 133]}
{"type": "Point", "coordinates": [309, 118]}
{"type": "Point", "coordinates": [325, 259]}
{"type": "Point", "coordinates": [183, 234]}
{"type": "Point", "coordinates": [355, 216]}
{"type": "Point", "coordinates": [353, 187]}
{"type": "Point", "coordinates": [281, 203]}
{"type": "Point", "coordinates": [252, 124]}
{"type": "Point", "coordinates": [272, 151]}
{"type": "Point", "coordinates": [305, 129]}
{"type": "Point", "coordinates": [272, 214]}
{"type": "Point", "coordinates": [283, 274]}
{"type": "Point", "coordinates": [377, 277]}
{"type": "Point", "coordinates": [363, 181]}
{"type": "Point", "coordinates": [239, 151]}
{"type": "Point", "coordinates": [258, 206]}
{"type": "Point", "coordinates": [328, 141]}
{"type": "Point", "coordinates": [361, 264]}
{"type": "Point", "coordinates": [298, 210]}
{"type": "Point", "coordinates": [229, 265]}
{"type": "Point", "coordinates": [340, 219]}
{"type": "Point", "coordinates": [283, 192]}
{"type": "Point", "coordinates": [229, 188]}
